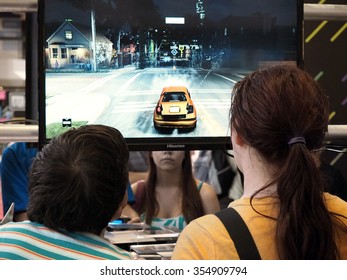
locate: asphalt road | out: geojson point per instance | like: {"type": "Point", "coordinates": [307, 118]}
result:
{"type": "Point", "coordinates": [126, 98]}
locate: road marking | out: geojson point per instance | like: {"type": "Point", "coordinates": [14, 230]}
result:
{"type": "Point", "coordinates": [128, 83]}
{"type": "Point", "coordinates": [226, 78]}
{"type": "Point", "coordinates": [92, 86]}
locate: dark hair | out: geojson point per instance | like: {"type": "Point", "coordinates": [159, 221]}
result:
{"type": "Point", "coordinates": [191, 199]}
{"type": "Point", "coordinates": [78, 180]}
{"type": "Point", "coordinates": [270, 107]}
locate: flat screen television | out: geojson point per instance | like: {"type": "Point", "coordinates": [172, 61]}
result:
{"type": "Point", "coordinates": [160, 71]}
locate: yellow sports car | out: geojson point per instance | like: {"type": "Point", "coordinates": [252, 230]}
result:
{"type": "Point", "coordinates": [175, 109]}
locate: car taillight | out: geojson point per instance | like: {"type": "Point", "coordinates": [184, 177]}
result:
{"type": "Point", "coordinates": [190, 109]}
{"type": "Point", "coordinates": [159, 109]}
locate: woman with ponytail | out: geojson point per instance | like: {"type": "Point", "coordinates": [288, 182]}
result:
{"type": "Point", "coordinates": [279, 118]}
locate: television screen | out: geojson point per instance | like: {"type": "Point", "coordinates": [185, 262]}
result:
{"type": "Point", "coordinates": [160, 71]}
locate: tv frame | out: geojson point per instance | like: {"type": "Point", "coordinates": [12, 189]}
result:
{"type": "Point", "coordinates": [150, 143]}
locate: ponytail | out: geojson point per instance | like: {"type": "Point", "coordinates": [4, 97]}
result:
{"type": "Point", "coordinates": [283, 113]}
{"type": "Point", "coordinates": [304, 227]}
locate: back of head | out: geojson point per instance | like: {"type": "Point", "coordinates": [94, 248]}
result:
{"type": "Point", "coordinates": [283, 114]}
{"type": "Point", "coordinates": [275, 104]}
{"type": "Point", "coordinates": [78, 180]}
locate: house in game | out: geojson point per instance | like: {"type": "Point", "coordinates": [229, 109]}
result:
{"type": "Point", "coordinates": [71, 46]}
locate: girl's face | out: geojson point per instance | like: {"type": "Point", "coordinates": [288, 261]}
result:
{"type": "Point", "coordinates": [168, 160]}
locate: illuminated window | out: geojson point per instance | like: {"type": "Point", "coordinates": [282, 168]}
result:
{"type": "Point", "coordinates": [63, 53]}
{"type": "Point", "coordinates": [68, 35]}
{"type": "Point", "coordinates": [55, 52]}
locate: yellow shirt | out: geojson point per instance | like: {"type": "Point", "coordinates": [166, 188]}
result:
{"type": "Point", "coordinates": [207, 239]}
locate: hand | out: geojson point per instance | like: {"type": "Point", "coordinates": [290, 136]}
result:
{"type": "Point", "coordinates": [130, 213]}
{"type": "Point", "coordinates": [134, 220]}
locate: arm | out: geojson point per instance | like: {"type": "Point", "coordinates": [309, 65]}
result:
{"type": "Point", "coordinates": [129, 211]}
{"type": "Point", "coordinates": [209, 199]}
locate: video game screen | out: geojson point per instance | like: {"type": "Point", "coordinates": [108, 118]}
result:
{"type": "Point", "coordinates": [160, 71]}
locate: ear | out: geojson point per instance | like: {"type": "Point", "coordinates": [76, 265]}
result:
{"type": "Point", "coordinates": [239, 140]}
{"type": "Point", "coordinates": [236, 138]}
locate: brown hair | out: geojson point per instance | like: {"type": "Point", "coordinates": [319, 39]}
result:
{"type": "Point", "coordinates": [191, 199]}
{"type": "Point", "coordinates": [78, 180]}
{"type": "Point", "coordinates": [269, 108]}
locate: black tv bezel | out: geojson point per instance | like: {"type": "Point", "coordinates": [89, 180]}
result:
{"type": "Point", "coordinates": [149, 143]}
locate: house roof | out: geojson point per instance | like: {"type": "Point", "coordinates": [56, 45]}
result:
{"type": "Point", "coordinates": [84, 31]}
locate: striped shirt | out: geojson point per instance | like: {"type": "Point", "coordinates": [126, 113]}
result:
{"type": "Point", "coordinates": [178, 222]}
{"type": "Point", "coordinates": [33, 241]}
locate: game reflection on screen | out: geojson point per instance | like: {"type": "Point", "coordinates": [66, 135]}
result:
{"type": "Point", "coordinates": [158, 68]}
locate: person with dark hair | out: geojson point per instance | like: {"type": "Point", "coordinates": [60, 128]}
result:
{"type": "Point", "coordinates": [77, 185]}
{"type": "Point", "coordinates": [14, 168]}
{"type": "Point", "coordinates": [279, 117]}
{"type": "Point", "coordinates": [171, 196]}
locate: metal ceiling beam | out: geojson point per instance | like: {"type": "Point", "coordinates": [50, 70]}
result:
{"type": "Point", "coordinates": [18, 6]}
{"type": "Point", "coordinates": [325, 12]}
{"type": "Point", "coordinates": [29, 133]}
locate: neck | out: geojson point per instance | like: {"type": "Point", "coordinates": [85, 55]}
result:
{"type": "Point", "coordinates": [168, 178]}
{"type": "Point", "coordinates": [253, 186]}
{"type": "Point", "coordinates": [257, 174]}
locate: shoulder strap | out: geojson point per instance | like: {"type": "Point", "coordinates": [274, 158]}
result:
{"type": "Point", "coordinates": [239, 233]}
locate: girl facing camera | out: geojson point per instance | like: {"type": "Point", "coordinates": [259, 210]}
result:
{"type": "Point", "coordinates": [171, 196]}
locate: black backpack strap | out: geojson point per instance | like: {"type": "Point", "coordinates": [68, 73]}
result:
{"type": "Point", "coordinates": [239, 233]}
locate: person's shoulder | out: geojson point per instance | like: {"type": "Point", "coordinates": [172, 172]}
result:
{"type": "Point", "coordinates": [16, 147]}
{"type": "Point", "coordinates": [335, 204]}
{"type": "Point", "coordinates": [12, 149]}
{"type": "Point", "coordinates": [205, 187]}
{"type": "Point", "coordinates": [18, 150]}
{"type": "Point", "coordinates": [207, 191]}
{"type": "Point", "coordinates": [16, 226]}
{"type": "Point", "coordinates": [205, 238]}
{"type": "Point", "coordinates": [331, 198]}
{"type": "Point", "coordinates": [209, 223]}
{"type": "Point", "coordinates": [202, 228]}
{"type": "Point", "coordinates": [10, 156]}
{"type": "Point", "coordinates": [138, 186]}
